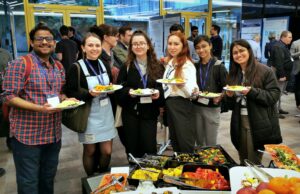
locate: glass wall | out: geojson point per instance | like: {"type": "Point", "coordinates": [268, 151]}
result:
{"type": "Point", "coordinates": [186, 5]}
{"type": "Point", "coordinates": [68, 2]}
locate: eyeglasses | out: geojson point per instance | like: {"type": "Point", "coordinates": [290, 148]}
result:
{"type": "Point", "coordinates": [41, 38]}
{"type": "Point", "coordinates": [140, 44]}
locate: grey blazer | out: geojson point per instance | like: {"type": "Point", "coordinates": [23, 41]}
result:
{"type": "Point", "coordinates": [295, 52]}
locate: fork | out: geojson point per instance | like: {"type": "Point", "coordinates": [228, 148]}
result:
{"type": "Point", "coordinates": [137, 162]}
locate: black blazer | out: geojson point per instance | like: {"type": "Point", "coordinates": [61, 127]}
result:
{"type": "Point", "coordinates": [131, 79]}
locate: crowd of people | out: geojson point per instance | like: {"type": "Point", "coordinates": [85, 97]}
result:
{"type": "Point", "coordinates": [120, 56]}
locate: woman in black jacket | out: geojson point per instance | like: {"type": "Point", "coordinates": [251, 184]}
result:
{"type": "Point", "coordinates": [254, 120]}
{"type": "Point", "coordinates": [139, 114]}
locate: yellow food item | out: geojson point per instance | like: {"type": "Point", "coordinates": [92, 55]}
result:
{"type": "Point", "coordinates": [146, 175]}
{"type": "Point", "coordinates": [67, 103]}
{"type": "Point", "coordinates": [138, 91]}
{"type": "Point", "coordinates": [209, 94]}
{"type": "Point", "coordinates": [173, 171]}
{"type": "Point", "coordinates": [236, 87]}
{"type": "Point", "coordinates": [102, 88]}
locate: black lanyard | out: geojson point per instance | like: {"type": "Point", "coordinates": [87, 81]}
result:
{"type": "Point", "coordinates": [169, 72]}
{"type": "Point", "coordinates": [203, 81]}
{"type": "Point", "coordinates": [144, 77]}
{"type": "Point", "coordinates": [100, 79]}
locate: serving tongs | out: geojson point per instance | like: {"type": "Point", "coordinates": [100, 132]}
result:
{"type": "Point", "coordinates": [254, 169]}
{"type": "Point", "coordinates": [114, 181]}
{"type": "Point", "coordinates": [137, 162]}
{"type": "Point", "coordinates": [179, 181]}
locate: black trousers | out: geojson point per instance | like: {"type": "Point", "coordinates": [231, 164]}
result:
{"type": "Point", "coordinates": [139, 134]}
{"type": "Point", "coordinates": [181, 124]}
{"type": "Point", "coordinates": [297, 89]}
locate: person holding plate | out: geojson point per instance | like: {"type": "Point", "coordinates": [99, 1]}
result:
{"type": "Point", "coordinates": [178, 105]}
{"type": "Point", "coordinates": [211, 78]}
{"type": "Point", "coordinates": [254, 120]}
{"type": "Point", "coordinates": [100, 127]}
{"type": "Point", "coordinates": [140, 113]}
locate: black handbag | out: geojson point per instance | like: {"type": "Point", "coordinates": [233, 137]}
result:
{"type": "Point", "coordinates": [76, 119]}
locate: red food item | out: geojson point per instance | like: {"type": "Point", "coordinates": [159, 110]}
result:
{"type": "Point", "coordinates": [261, 186]}
{"type": "Point", "coordinates": [207, 178]}
{"type": "Point", "coordinates": [246, 190]}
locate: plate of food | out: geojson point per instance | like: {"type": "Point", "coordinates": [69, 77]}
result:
{"type": "Point", "coordinates": [235, 88]}
{"type": "Point", "coordinates": [243, 180]}
{"type": "Point", "coordinates": [209, 95]}
{"type": "Point", "coordinates": [102, 89]}
{"type": "Point", "coordinates": [283, 156]}
{"type": "Point", "coordinates": [143, 92]}
{"type": "Point", "coordinates": [174, 81]}
{"type": "Point", "coordinates": [69, 104]}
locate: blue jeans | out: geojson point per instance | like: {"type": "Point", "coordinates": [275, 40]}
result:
{"type": "Point", "coordinates": [36, 166]}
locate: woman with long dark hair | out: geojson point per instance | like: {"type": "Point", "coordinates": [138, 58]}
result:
{"type": "Point", "coordinates": [211, 77]}
{"type": "Point", "coordinates": [254, 120]}
{"type": "Point", "coordinates": [179, 107]}
{"type": "Point", "coordinates": [97, 139]}
{"type": "Point", "coordinates": [139, 114]}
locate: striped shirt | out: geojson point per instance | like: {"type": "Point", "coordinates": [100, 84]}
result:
{"type": "Point", "coordinates": [30, 127]}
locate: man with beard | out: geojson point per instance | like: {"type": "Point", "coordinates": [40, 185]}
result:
{"type": "Point", "coordinates": [32, 85]}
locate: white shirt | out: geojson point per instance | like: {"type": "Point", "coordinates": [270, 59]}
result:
{"type": "Point", "coordinates": [188, 74]}
{"type": "Point", "coordinates": [256, 49]}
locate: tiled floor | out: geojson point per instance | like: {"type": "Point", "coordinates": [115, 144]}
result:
{"type": "Point", "coordinates": [70, 168]}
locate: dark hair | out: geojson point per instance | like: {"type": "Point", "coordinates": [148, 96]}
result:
{"type": "Point", "coordinates": [176, 27]}
{"type": "Point", "coordinates": [184, 55]}
{"type": "Point", "coordinates": [64, 30]}
{"type": "Point", "coordinates": [216, 27]}
{"type": "Point", "coordinates": [71, 29]}
{"type": "Point", "coordinates": [252, 74]}
{"type": "Point", "coordinates": [154, 68]}
{"type": "Point", "coordinates": [38, 28]}
{"type": "Point", "coordinates": [123, 30]}
{"type": "Point", "coordinates": [201, 38]}
{"type": "Point", "coordinates": [194, 28]}
{"type": "Point", "coordinates": [104, 29]}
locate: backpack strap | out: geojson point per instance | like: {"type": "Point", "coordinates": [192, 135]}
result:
{"type": "Point", "coordinates": [28, 63]}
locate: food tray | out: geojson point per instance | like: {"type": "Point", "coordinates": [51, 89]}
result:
{"type": "Point", "coordinates": [229, 161]}
{"type": "Point", "coordinates": [193, 167]}
{"type": "Point", "coordinates": [135, 182]}
{"type": "Point", "coordinates": [184, 158]}
{"type": "Point", "coordinates": [156, 161]}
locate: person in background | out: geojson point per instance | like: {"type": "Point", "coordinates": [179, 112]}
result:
{"type": "Point", "coordinates": [72, 36]}
{"type": "Point", "coordinates": [211, 77]}
{"type": "Point", "coordinates": [178, 28]}
{"type": "Point", "coordinates": [97, 139]}
{"type": "Point", "coordinates": [5, 57]}
{"type": "Point", "coordinates": [180, 114]}
{"type": "Point", "coordinates": [268, 46]}
{"type": "Point", "coordinates": [139, 114]}
{"type": "Point", "coordinates": [109, 38]}
{"type": "Point", "coordinates": [35, 126]}
{"type": "Point", "coordinates": [295, 52]}
{"type": "Point", "coordinates": [216, 41]}
{"type": "Point", "coordinates": [66, 50]}
{"type": "Point", "coordinates": [121, 50]}
{"type": "Point", "coordinates": [254, 119]}
{"type": "Point", "coordinates": [255, 46]}
{"type": "Point", "coordinates": [282, 64]}
{"type": "Point", "coordinates": [194, 33]}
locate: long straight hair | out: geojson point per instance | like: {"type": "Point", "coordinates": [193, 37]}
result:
{"type": "Point", "coordinates": [184, 55]}
{"type": "Point", "coordinates": [252, 73]}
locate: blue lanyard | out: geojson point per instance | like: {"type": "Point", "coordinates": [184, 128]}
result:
{"type": "Point", "coordinates": [144, 77]}
{"type": "Point", "coordinates": [169, 72]}
{"type": "Point", "coordinates": [44, 73]}
{"type": "Point", "coordinates": [100, 79]}
{"type": "Point", "coordinates": [203, 82]}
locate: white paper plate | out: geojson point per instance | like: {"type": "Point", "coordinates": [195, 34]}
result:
{"type": "Point", "coordinates": [204, 95]}
{"type": "Point", "coordinates": [237, 174]}
{"type": "Point", "coordinates": [116, 87]}
{"type": "Point", "coordinates": [234, 90]}
{"type": "Point", "coordinates": [70, 107]}
{"type": "Point", "coordinates": [166, 81]}
{"type": "Point", "coordinates": [145, 92]}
